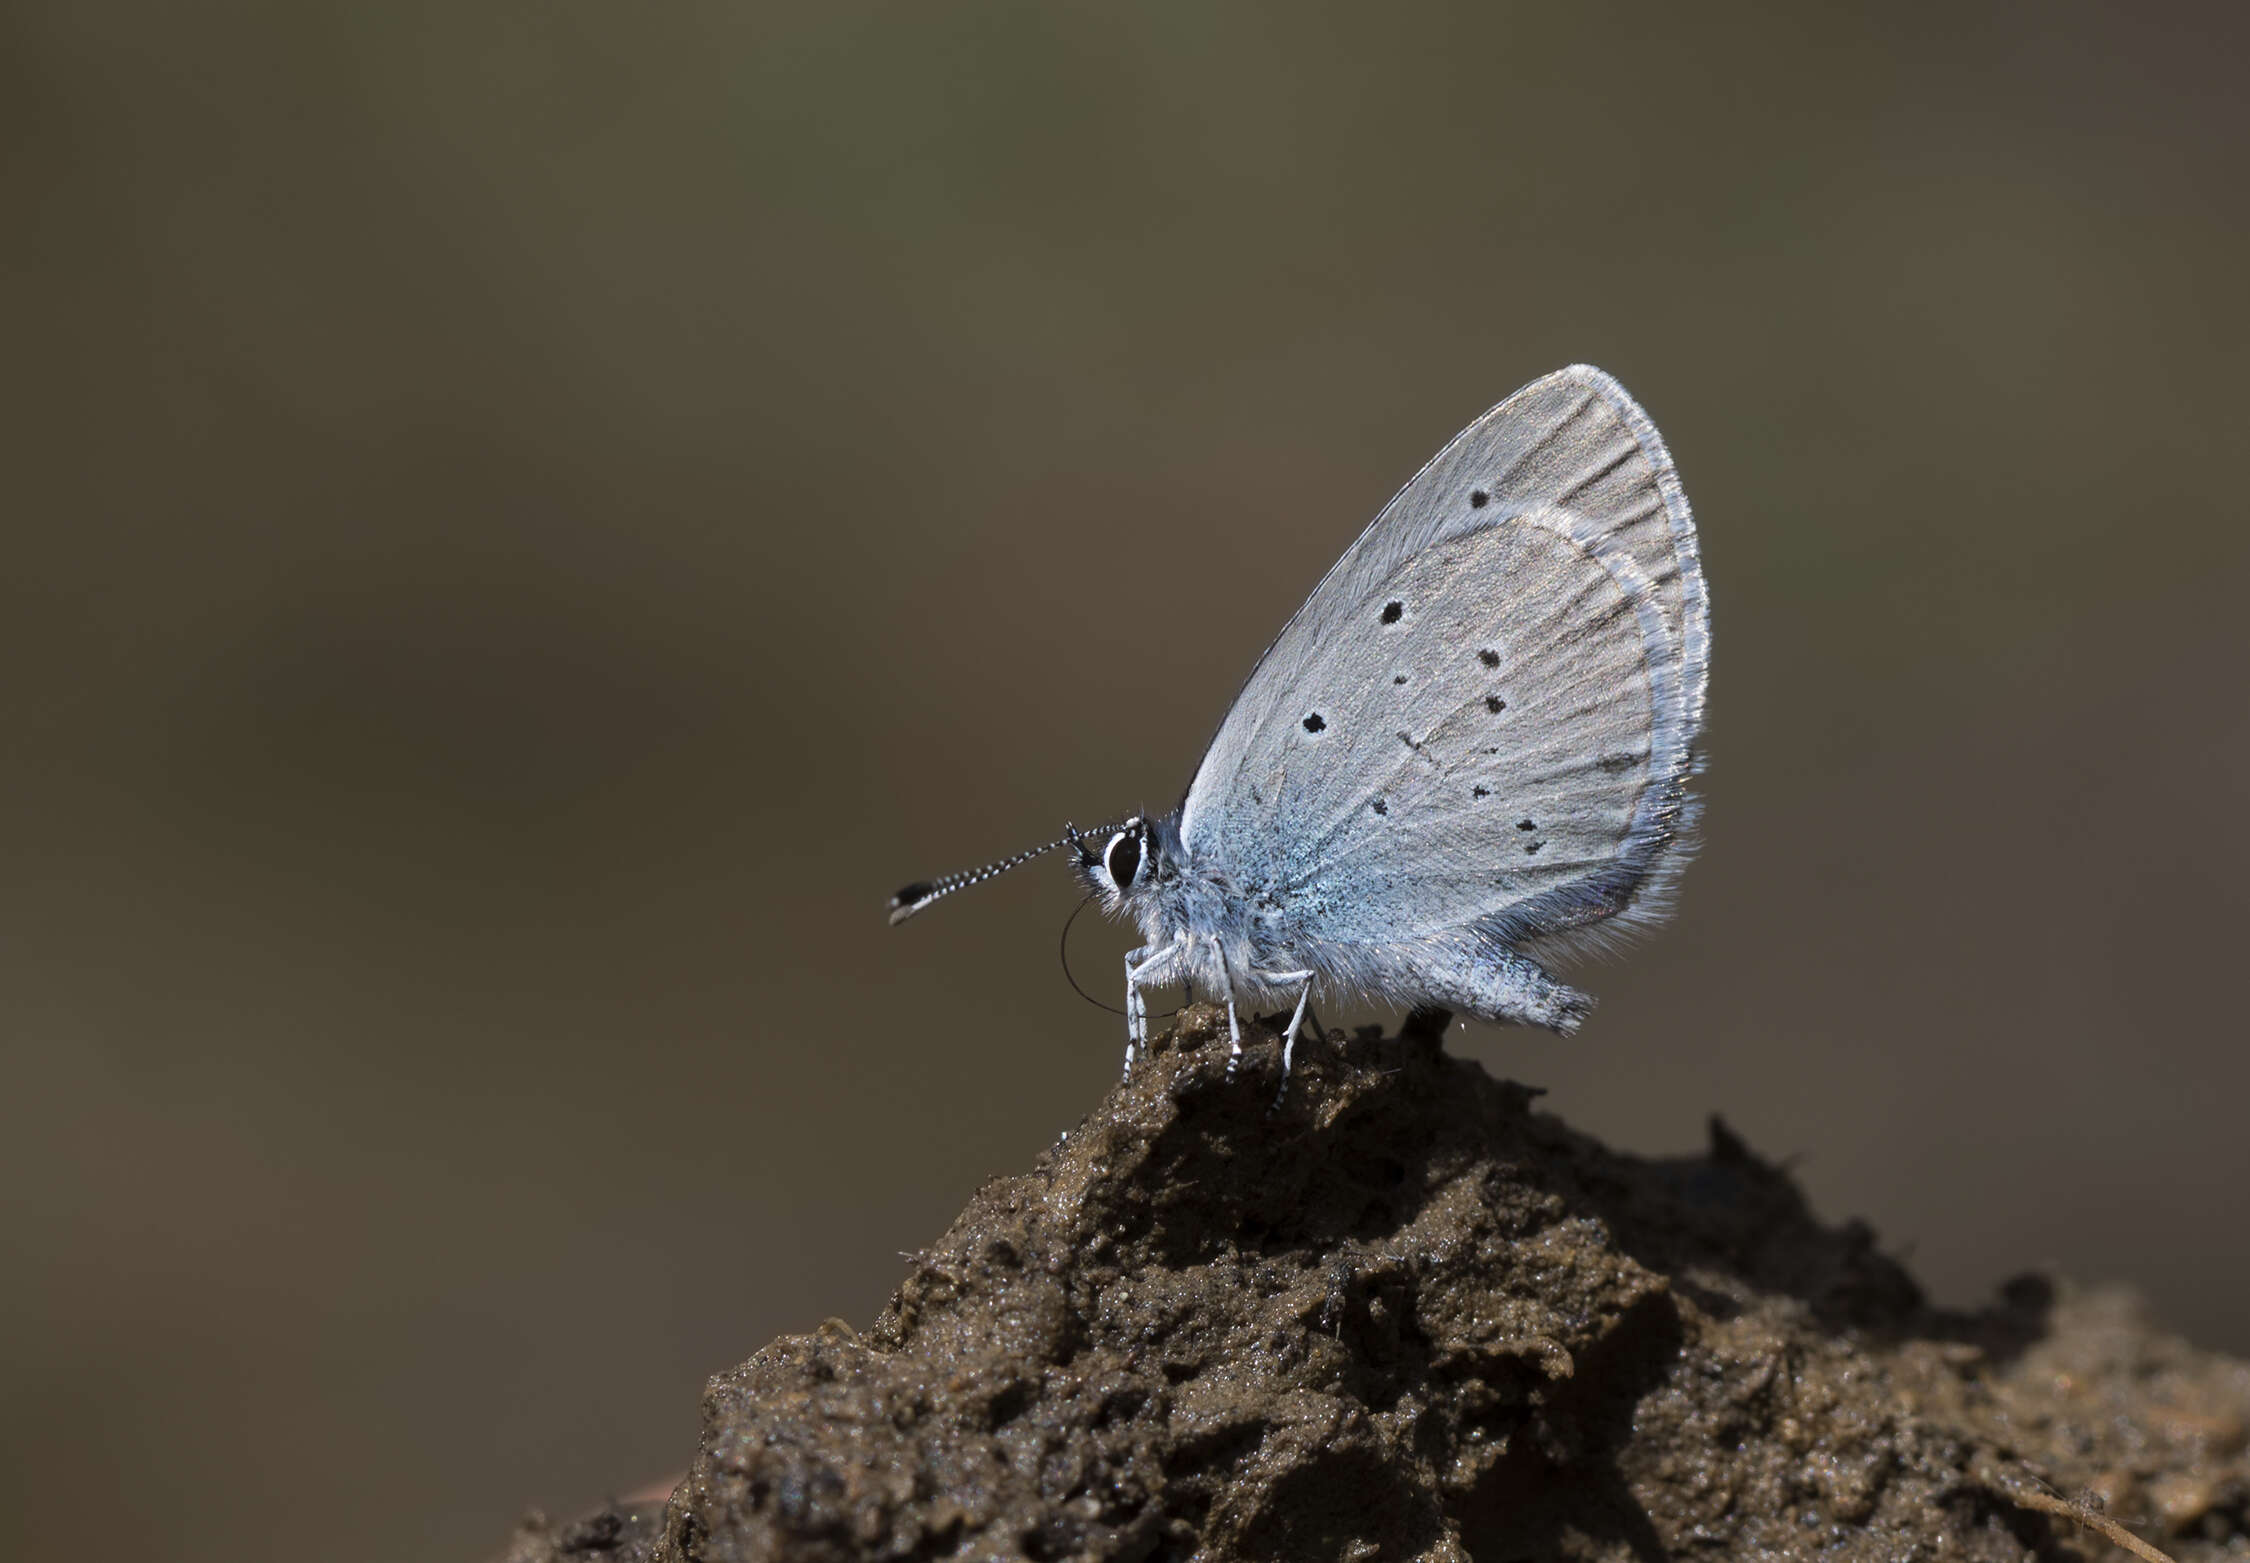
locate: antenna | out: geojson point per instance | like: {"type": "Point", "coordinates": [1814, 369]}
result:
{"type": "Point", "coordinates": [912, 898]}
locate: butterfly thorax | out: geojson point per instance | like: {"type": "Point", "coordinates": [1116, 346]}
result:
{"type": "Point", "coordinates": [1226, 932]}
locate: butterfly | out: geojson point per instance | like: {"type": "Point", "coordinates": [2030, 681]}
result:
{"type": "Point", "coordinates": [1470, 749]}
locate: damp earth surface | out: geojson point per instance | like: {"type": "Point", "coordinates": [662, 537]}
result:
{"type": "Point", "coordinates": [1404, 1314]}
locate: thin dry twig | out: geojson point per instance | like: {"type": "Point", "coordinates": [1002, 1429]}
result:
{"type": "Point", "coordinates": [2007, 1476]}
{"type": "Point", "coordinates": [2091, 1518]}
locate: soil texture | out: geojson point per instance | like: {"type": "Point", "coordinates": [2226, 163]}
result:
{"type": "Point", "coordinates": [1402, 1314]}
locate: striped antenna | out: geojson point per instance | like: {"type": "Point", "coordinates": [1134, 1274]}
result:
{"type": "Point", "coordinates": [922, 892]}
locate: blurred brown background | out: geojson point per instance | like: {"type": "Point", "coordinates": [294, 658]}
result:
{"type": "Point", "coordinates": [526, 522]}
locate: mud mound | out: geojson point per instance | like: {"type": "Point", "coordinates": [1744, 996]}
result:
{"type": "Point", "coordinates": [1404, 1315]}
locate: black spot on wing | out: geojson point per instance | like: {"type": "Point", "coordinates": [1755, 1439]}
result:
{"type": "Point", "coordinates": [1530, 847]}
{"type": "Point", "coordinates": [1316, 723]}
{"type": "Point", "coordinates": [1380, 807]}
{"type": "Point", "coordinates": [1525, 824]}
{"type": "Point", "coordinates": [1480, 792]}
{"type": "Point", "coordinates": [1489, 657]}
{"type": "Point", "coordinates": [1495, 704]}
{"type": "Point", "coordinates": [1393, 611]}
{"type": "Point", "coordinates": [1400, 679]}
{"type": "Point", "coordinates": [1478, 499]}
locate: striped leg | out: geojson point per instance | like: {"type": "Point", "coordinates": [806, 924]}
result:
{"type": "Point", "coordinates": [1289, 1038]}
{"type": "Point", "coordinates": [1144, 970]}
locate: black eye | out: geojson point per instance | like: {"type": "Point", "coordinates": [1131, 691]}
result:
{"type": "Point", "coordinates": [1124, 858]}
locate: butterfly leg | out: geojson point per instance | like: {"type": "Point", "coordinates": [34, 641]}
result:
{"type": "Point", "coordinates": [1143, 970]}
{"type": "Point", "coordinates": [1296, 1018]}
{"type": "Point", "coordinates": [1133, 1020]}
{"type": "Point", "coordinates": [1234, 1026]}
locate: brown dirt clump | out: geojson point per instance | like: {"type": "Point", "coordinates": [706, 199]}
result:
{"type": "Point", "coordinates": [1404, 1315]}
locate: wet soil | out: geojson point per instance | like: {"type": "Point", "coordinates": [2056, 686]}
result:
{"type": "Point", "coordinates": [1406, 1315]}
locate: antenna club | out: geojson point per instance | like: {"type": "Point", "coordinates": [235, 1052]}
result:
{"type": "Point", "coordinates": [910, 899]}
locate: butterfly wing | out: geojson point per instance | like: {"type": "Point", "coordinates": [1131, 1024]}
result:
{"type": "Point", "coordinates": [1486, 713]}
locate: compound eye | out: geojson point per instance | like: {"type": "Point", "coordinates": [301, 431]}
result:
{"type": "Point", "coordinates": [1124, 858]}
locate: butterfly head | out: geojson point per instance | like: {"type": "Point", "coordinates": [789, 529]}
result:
{"type": "Point", "coordinates": [1125, 867]}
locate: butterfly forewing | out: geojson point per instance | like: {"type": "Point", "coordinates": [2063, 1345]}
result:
{"type": "Point", "coordinates": [1490, 703]}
